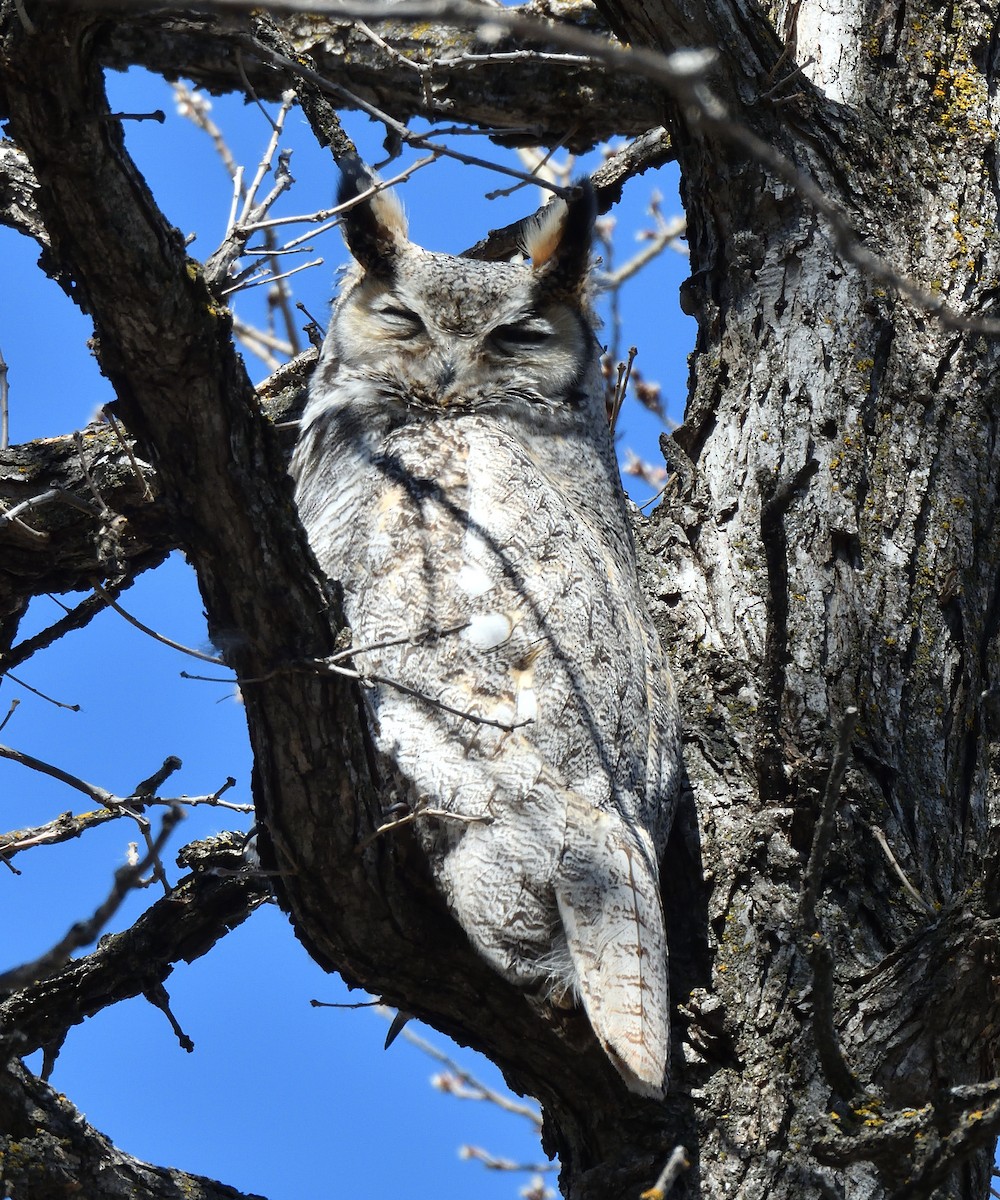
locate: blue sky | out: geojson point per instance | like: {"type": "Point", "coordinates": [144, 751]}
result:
{"type": "Point", "coordinates": [278, 1098]}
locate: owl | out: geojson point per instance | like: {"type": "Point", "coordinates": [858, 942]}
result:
{"type": "Point", "coordinates": [456, 477]}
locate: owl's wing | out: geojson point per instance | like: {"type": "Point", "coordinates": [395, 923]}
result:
{"type": "Point", "coordinates": [545, 856]}
{"type": "Point", "coordinates": [608, 898]}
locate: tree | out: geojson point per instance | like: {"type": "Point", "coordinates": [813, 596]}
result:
{"type": "Point", "coordinates": [822, 567]}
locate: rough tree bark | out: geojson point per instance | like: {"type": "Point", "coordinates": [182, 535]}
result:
{"type": "Point", "coordinates": [829, 541]}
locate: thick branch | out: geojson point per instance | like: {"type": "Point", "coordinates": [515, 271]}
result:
{"type": "Point", "coordinates": [48, 1151]}
{"type": "Point", "coordinates": [539, 98]}
{"type": "Point", "coordinates": [59, 545]}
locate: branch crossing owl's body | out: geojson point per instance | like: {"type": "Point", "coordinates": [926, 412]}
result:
{"type": "Point", "coordinates": [455, 474]}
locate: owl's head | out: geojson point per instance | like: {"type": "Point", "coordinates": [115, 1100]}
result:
{"type": "Point", "coordinates": [442, 332]}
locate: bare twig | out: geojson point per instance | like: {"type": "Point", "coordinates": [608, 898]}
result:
{"type": "Point", "coordinates": [262, 344]}
{"type": "Point", "coordinates": [261, 336]}
{"type": "Point", "coordinates": [367, 677]}
{"type": "Point", "coordinates": [144, 793]}
{"type": "Point", "coordinates": [156, 994]}
{"type": "Point", "coordinates": [823, 834]}
{"type": "Point", "coordinates": [468, 1087]}
{"type": "Point", "coordinates": [324, 214]}
{"type": "Point", "coordinates": [333, 665]}
{"type": "Point", "coordinates": [109, 416]}
{"type": "Point", "coordinates": [98, 794]}
{"type": "Point", "coordinates": [255, 281]}
{"type": "Point", "coordinates": [442, 814]}
{"type": "Point", "coordinates": [57, 602]}
{"type": "Point", "coordinates": [666, 234]}
{"type": "Point", "coordinates": [251, 91]}
{"type": "Point", "coordinates": [220, 263]}
{"type": "Point", "coordinates": [493, 1163]}
{"type": "Point", "coordinates": [30, 530]}
{"type": "Point", "coordinates": [41, 695]}
{"type": "Point", "coordinates": [355, 1004]}
{"type": "Point", "coordinates": [194, 107]}
{"type": "Point", "coordinates": [68, 825]}
{"type": "Point", "coordinates": [75, 618]}
{"type": "Point", "coordinates": [282, 177]}
{"type": "Point", "coordinates": [838, 1073]}
{"type": "Point", "coordinates": [157, 115]}
{"type": "Point", "coordinates": [908, 887]}
{"type": "Point", "coordinates": [654, 476]}
{"type": "Point", "coordinates": [392, 52]}
{"type": "Point", "coordinates": [215, 799]}
{"type": "Point", "coordinates": [159, 637]}
{"type": "Point", "coordinates": [541, 161]}
{"type": "Point", "coordinates": [48, 497]}
{"type": "Point", "coordinates": [295, 244]}
{"type": "Point", "coordinates": [624, 371]}
{"type": "Point", "coordinates": [103, 509]}
{"type": "Point", "coordinates": [64, 828]}
{"type": "Point", "coordinates": [409, 639]}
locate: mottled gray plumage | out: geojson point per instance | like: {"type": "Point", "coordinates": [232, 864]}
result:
{"type": "Point", "coordinates": [455, 473]}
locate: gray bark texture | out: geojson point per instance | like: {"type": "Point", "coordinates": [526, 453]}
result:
{"type": "Point", "coordinates": [829, 542]}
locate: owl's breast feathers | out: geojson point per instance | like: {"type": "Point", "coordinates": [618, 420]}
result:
{"type": "Point", "coordinates": [518, 608]}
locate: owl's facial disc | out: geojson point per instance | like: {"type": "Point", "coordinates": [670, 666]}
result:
{"type": "Point", "coordinates": [419, 332]}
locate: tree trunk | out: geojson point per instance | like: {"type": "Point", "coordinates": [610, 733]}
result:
{"type": "Point", "coordinates": [828, 542]}
{"type": "Point", "coordinates": [832, 543]}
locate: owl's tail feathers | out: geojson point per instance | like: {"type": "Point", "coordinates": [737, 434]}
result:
{"type": "Point", "coordinates": [609, 901]}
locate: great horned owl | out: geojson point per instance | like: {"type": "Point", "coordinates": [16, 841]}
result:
{"type": "Point", "coordinates": [455, 474]}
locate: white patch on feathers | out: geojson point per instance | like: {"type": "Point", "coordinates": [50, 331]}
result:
{"type": "Point", "coordinates": [474, 581]}
{"type": "Point", "coordinates": [486, 631]}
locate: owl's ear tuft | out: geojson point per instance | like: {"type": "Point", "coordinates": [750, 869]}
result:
{"type": "Point", "coordinates": [558, 241]}
{"type": "Point", "coordinates": [374, 228]}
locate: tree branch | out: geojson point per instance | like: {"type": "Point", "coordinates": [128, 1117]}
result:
{"type": "Point", "coordinates": [49, 1151]}
{"type": "Point", "coordinates": [218, 895]}
{"type": "Point", "coordinates": [75, 550]}
{"type": "Point", "coordinates": [82, 933]}
{"type": "Point", "coordinates": [430, 76]}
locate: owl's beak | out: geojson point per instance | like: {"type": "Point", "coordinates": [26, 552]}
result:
{"type": "Point", "coordinates": [446, 375]}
